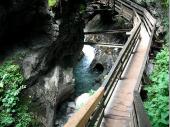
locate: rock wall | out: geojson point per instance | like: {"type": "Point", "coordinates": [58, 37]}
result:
{"type": "Point", "coordinates": [51, 89]}
{"type": "Point", "coordinates": [20, 21]}
{"type": "Point", "coordinates": [106, 55]}
{"type": "Point", "coordinates": [50, 50]}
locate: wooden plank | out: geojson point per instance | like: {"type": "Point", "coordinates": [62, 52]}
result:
{"type": "Point", "coordinates": [99, 10]}
{"type": "Point", "coordinates": [130, 7]}
{"type": "Point", "coordinates": [117, 7]}
{"type": "Point", "coordinates": [149, 16]}
{"type": "Point", "coordinates": [94, 43]}
{"type": "Point", "coordinates": [90, 43]}
{"type": "Point", "coordinates": [142, 118]}
{"type": "Point", "coordinates": [111, 46]}
{"type": "Point", "coordinates": [147, 28]}
{"type": "Point", "coordinates": [108, 31]}
{"type": "Point", "coordinates": [146, 56]}
{"type": "Point", "coordinates": [127, 15]}
{"type": "Point", "coordinates": [81, 117]}
{"type": "Point", "coordinates": [134, 117]}
{"type": "Point", "coordinates": [134, 5]}
{"type": "Point", "coordinates": [126, 9]}
{"type": "Point", "coordinates": [149, 23]}
{"type": "Point", "coordinates": [97, 115]}
{"type": "Point", "coordinates": [104, 45]}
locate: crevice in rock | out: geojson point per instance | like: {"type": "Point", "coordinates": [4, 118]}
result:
{"type": "Point", "coordinates": [98, 67]}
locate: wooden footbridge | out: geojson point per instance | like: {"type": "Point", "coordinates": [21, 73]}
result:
{"type": "Point", "coordinates": [117, 103]}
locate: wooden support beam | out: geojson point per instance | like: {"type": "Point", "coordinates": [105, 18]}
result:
{"type": "Point", "coordinates": [128, 33]}
{"type": "Point", "coordinates": [89, 43]}
{"type": "Point", "coordinates": [99, 10]}
{"type": "Point", "coordinates": [104, 44]}
{"type": "Point", "coordinates": [96, 2]}
{"type": "Point", "coordinates": [108, 31]}
{"type": "Point", "coordinates": [111, 46]}
{"type": "Point", "coordinates": [94, 43]}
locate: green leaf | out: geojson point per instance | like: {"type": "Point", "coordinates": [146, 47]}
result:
{"type": "Point", "coordinates": [1, 84]}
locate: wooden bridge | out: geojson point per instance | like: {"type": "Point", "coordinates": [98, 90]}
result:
{"type": "Point", "coordinates": [117, 103]}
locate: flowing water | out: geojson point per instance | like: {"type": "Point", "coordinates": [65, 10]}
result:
{"type": "Point", "coordinates": [84, 82]}
{"type": "Point", "coordinates": [84, 76]}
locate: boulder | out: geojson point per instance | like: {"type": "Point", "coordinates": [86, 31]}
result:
{"type": "Point", "coordinates": [81, 100]}
{"type": "Point", "coordinates": [48, 91]}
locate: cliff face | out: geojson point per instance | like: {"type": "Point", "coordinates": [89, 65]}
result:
{"type": "Point", "coordinates": [21, 20]}
{"type": "Point", "coordinates": [50, 50]}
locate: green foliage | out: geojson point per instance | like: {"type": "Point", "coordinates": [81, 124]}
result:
{"type": "Point", "coordinates": [157, 91]}
{"type": "Point", "coordinates": [52, 3]}
{"type": "Point", "coordinates": [166, 27]}
{"type": "Point", "coordinates": [82, 8]}
{"type": "Point", "coordinates": [165, 4]}
{"type": "Point", "coordinates": [13, 111]}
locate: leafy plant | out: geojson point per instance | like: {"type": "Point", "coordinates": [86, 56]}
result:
{"type": "Point", "coordinates": [13, 111]}
{"type": "Point", "coordinates": [82, 8]}
{"type": "Point", "coordinates": [157, 102]}
{"type": "Point", "coordinates": [52, 3]}
{"type": "Point", "coordinates": [166, 27]}
{"type": "Point", "coordinates": [165, 4]}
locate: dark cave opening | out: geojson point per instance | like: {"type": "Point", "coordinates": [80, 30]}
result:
{"type": "Point", "coordinates": [99, 68]}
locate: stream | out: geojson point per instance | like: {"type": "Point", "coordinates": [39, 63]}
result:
{"type": "Point", "coordinates": [84, 83]}
{"type": "Point", "coordinates": [84, 76]}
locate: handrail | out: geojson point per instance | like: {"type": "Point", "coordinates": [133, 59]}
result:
{"type": "Point", "coordinates": [115, 73]}
{"type": "Point", "coordinates": [139, 114]}
{"type": "Point", "coordinates": [81, 117]}
{"type": "Point", "coordinates": [93, 111]}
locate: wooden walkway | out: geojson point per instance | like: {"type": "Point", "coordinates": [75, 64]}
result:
{"type": "Point", "coordinates": [119, 108]}
{"type": "Point", "coordinates": [117, 102]}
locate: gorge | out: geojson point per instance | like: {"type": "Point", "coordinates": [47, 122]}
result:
{"type": "Point", "coordinates": [55, 64]}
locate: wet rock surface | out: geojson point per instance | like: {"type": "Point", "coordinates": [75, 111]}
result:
{"type": "Point", "coordinates": [105, 55]}
{"type": "Point", "coordinates": [20, 22]}
{"type": "Point", "coordinates": [51, 89]}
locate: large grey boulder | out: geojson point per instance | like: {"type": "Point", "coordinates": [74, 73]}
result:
{"type": "Point", "coordinates": [51, 89]}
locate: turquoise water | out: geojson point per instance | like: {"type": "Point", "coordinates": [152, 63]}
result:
{"type": "Point", "coordinates": [84, 77]}
{"type": "Point", "coordinates": [84, 82]}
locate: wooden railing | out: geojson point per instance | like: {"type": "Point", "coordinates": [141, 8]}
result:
{"type": "Point", "coordinates": [92, 112]}
{"type": "Point", "coordinates": [116, 72]}
{"type": "Point", "coordinates": [138, 113]}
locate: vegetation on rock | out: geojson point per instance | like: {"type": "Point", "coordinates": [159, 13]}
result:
{"type": "Point", "coordinates": [157, 91]}
{"type": "Point", "coordinates": [14, 111]}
